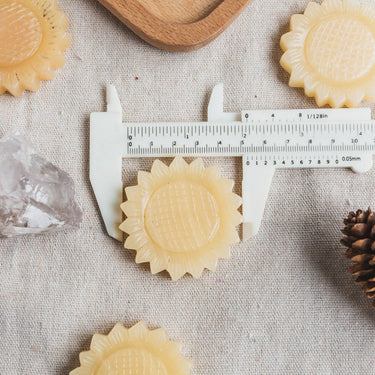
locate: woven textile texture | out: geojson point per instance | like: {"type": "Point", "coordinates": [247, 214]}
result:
{"type": "Point", "coordinates": [282, 304]}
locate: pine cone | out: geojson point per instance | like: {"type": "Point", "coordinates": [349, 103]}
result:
{"type": "Point", "coordinates": [360, 239]}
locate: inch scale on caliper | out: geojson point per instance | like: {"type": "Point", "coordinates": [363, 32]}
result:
{"type": "Point", "coordinates": [265, 139]}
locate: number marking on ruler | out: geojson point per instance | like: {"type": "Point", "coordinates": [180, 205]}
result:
{"type": "Point", "coordinates": [284, 145]}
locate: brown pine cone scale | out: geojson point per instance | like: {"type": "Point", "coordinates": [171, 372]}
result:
{"type": "Point", "coordinates": [359, 238]}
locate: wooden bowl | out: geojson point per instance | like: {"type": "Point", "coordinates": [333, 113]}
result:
{"type": "Point", "coordinates": [176, 25]}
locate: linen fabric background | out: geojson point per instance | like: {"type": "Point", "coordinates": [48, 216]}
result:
{"type": "Point", "coordinates": [282, 304]}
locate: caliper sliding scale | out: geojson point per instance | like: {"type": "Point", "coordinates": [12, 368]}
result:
{"type": "Point", "coordinates": [265, 139]}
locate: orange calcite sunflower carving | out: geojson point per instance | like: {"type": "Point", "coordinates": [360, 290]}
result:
{"type": "Point", "coordinates": [330, 51]}
{"type": "Point", "coordinates": [181, 218]}
{"type": "Point", "coordinates": [32, 42]}
{"type": "Point", "coordinates": [134, 351]}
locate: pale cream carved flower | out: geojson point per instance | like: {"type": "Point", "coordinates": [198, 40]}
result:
{"type": "Point", "coordinates": [135, 351]}
{"type": "Point", "coordinates": [181, 218]}
{"type": "Point", "coordinates": [32, 43]}
{"type": "Point", "coordinates": [330, 51]}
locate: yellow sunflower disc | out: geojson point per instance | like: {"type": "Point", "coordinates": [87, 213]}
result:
{"type": "Point", "coordinates": [135, 351]}
{"type": "Point", "coordinates": [181, 218]}
{"type": "Point", "coordinates": [32, 41]}
{"type": "Point", "coordinates": [330, 51]}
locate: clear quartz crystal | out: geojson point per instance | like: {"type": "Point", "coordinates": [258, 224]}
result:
{"type": "Point", "coordinates": [35, 195]}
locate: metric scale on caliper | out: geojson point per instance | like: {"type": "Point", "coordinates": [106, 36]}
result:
{"type": "Point", "coordinates": [265, 139]}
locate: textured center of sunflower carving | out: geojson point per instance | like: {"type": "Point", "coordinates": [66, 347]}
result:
{"type": "Point", "coordinates": [341, 49]}
{"type": "Point", "coordinates": [182, 216]}
{"type": "Point", "coordinates": [132, 361]}
{"type": "Point", "coordinates": [20, 33]}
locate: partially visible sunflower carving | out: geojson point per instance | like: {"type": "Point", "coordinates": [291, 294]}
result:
{"type": "Point", "coordinates": [32, 42]}
{"type": "Point", "coordinates": [135, 351]}
{"type": "Point", "coordinates": [330, 51]}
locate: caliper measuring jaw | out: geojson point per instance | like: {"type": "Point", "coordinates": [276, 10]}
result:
{"type": "Point", "coordinates": [256, 181]}
{"type": "Point", "coordinates": [108, 146]}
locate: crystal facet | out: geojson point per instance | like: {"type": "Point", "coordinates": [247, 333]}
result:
{"type": "Point", "coordinates": [35, 195]}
